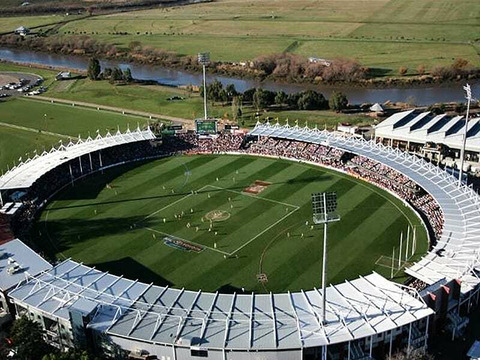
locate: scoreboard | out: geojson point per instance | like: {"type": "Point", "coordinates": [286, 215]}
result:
{"type": "Point", "coordinates": [206, 127]}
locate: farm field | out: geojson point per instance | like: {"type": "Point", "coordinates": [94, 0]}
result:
{"type": "Point", "coordinates": [8, 24]}
{"type": "Point", "coordinates": [384, 34]}
{"type": "Point", "coordinates": [152, 222]}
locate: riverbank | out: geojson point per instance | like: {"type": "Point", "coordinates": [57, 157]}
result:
{"type": "Point", "coordinates": [167, 102]}
{"type": "Point", "coordinates": [419, 95]}
{"type": "Point", "coordinates": [280, 68]}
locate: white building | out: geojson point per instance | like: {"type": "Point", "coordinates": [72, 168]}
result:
{"type": "Point", "coordinates": [438, 137]}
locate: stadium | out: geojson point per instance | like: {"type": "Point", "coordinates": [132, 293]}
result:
{"type": "Point", "coordinates": [203, 245]}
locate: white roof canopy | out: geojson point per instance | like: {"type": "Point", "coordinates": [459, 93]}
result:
{"type": "Point", "coordinates": [26, 173]}
{"type": "Point", "coordinates": [460, 240]}
{"type": "Point", "coordinates": [356, 309]}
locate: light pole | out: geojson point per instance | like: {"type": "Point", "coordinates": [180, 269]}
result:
{"type": "Point", "coordinates": [204, 59]}
{"type": "Point", "coordinates": [324, 206]}
{"type": "Point", "coordinates": [468, 91]}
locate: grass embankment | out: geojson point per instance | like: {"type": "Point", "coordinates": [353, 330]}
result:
{"type": "Point", "coordinates": [120, 238]}
{"type": "Point", "coordinates": [72, 121]}
{"type": "Point", "coordinates": [153, 98]}
{"type": "Point", "coordinates": [27, 125]}
{"type": "Point", "coordinates": [381, 34]}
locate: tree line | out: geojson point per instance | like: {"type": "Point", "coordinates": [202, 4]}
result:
{"type": "Point", "coordinates": [263, 99]}
{"type": "Point", "coordinates": [113, 75]}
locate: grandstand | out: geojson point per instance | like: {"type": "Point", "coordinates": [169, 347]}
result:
{"type": "Point", "coordinates": [438, 137]}
{"type": "Point", "coordinates": [366, 317]}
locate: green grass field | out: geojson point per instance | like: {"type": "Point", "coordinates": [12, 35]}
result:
{"type": "Point", "coordinates": [16, 143]}
{"type": "Point", "coordinates": [29, 113]}
{"type": "Point", "coordinates": [138, 221]}
{"type": "Point", "coordinates": [25, 128]}
{"type": "Point", "coordinates": [381, 34]}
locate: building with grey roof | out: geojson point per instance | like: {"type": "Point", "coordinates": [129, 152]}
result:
{"type": "Point", "coordinates": [178, 323]}
{"type": "Point", "coordinates": [17, 262]}
{"type": "Point", "coordinates": [438, 137]}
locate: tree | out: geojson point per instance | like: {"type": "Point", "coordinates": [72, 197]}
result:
{"type": "Point", "coordinates": [117, 75]}
{"type": "Point", "coordinates": [292, 100]}
{"type": "Point", "coordinates": [248, 95]}
{"type": "Point", "coordinates": [127, 75]}
{"type": "Point", "coordinates": [402, 70]}
{"type": "Point", "coordinates": [421, 70]}
{"type": "Point", "coordinates": [107, 72]}
{"type": "Point", "coordinates": [231, 92]}
{"type": "Point", "coordinates": [259, 99]}
{"type": "Point", "coordinates": [94, 69]}
{"type": "Point", "coordinates": [411, 355]}
{"type": "Point", "coordinates": [134, 45]}
{"type": "Point", "coordinates": [263, 98]}
{"type": "Point", "coordinates": [72, 354]}
{"type": "Point", "coordinates": [281, 98]}
{"type": "Point", "coordinates": [214, 91]}
{"type": "Point", "coordinates": [338, 101]}
{"type": "Point", "coordinates": [437, 110]}
{"type": "Point", "coordinates": [312, 100]}
{"type": "Point", "coordinates": [27, 338]}
{"type": "Point", "coordinates": [460, 64]}
{"type": "Point", "coordinates": [460, 107]}
{"type": "Point", "coordinates": [236, 107]}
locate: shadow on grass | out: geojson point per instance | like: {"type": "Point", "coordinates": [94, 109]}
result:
{"type": "Point", "coordinates": [61, 235]}
{"type": "Point", "coordinates": [91, 186]}
{"type": "Point", "coordinates": [132, 269]}
{"type": "Point", "coordinates": [229, 289]}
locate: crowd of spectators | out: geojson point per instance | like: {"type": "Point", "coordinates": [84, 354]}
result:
{"type": "Point", "coordinates": [66, 173]}
{"type": "Point", "coordinates": [189, 143]}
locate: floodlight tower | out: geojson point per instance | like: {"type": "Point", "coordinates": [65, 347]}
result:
{"type": "Point", "coordinates": [324, 207]}
{"type": "Point", "coordinates": [204, 59]}
{"type": "Point", "coordinates": [468, 91]}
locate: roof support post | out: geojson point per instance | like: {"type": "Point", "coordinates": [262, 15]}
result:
{"type": "Point", "coordinates": [409, 339]}
{"type": "Point", "coordinates": [391, 344]}
{"type": "Point", "coordinates": [371, 346]}
{"type": "Point", "coordinates": [426, 333]}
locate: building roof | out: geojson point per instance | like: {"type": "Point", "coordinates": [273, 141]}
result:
{"type": "Point", "coordinates": [376, 108]}
{"type": "Point", "coordinates": [27, 262]}
{"type": "Point", "coordinates": [427, 127]}
{"type": "Point", "coordinates": [355, 309]}
{"type": "Point", "coordinates": [456, 255]}
{"type": "Point", "coordinates": [26, 173]}
{"type": "Point", "coordinates": [474, 352]}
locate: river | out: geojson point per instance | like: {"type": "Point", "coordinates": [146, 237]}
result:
{"type": "Point", "coordinates": [418, 95]}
